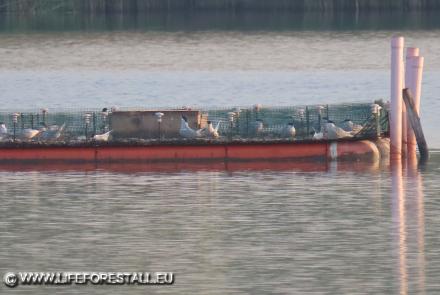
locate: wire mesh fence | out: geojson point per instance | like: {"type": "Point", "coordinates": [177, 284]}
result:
{"type": "Point", "coordinates": [267, 122]}
{"type": "Point", "coordinates": [231, 123]}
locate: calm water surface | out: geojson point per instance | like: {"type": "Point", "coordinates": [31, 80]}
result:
{"type": "Point", "coordinates": [338, 229]}
{"type": "Point", "coordinates": [223, 229]}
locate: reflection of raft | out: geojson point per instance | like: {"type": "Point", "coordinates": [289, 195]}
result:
{"type": "Point", "coordinates": [118, 167]}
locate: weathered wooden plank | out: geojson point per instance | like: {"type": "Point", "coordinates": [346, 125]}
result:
{"type": "Point", "coordinates": [414, 120]}
{"type": "Point", "coordinates": [144, 124]}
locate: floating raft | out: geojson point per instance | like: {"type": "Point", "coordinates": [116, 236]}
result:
{"type": "Point", "coordinates": [139, 137]}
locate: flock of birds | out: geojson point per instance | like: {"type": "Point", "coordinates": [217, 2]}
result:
{"type": "Point", "coordinates": [208, 132]}
{"type": "Point", "coordinates": [328, 130]}
{"type": "Point", "coordinates": [284, 131]}
{"type": "Point", "coordinates": [44, 132]}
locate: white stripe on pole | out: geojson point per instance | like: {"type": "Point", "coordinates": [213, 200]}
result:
{"type": "Point", "coordinates": [396, 96]}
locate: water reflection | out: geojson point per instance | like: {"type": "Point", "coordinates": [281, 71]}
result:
{"type": "Point", "coordinates": [173, 167]}
{"type": "Point", "coordinates": [415, 191]}
{"type": "Point", "coordinates": [408, 225]}
{"type": "Point", "coordinates": [399, 223]}
{"type": "Point", "coordinates": [289, 228]}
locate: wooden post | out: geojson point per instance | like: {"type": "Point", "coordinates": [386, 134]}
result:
{"type": "Point", "coordinates": [375, 110]}
{"type": "Point", "coordinates": [415, 87]}
{"type": "Point", "coordinates": [328, 117]}
{"type": "Point", "coordinates": [237, 120]}
{"type": "Point", "coordinates": [308, 121]}
{"type": "Point", "coordinates": [94, 123]}
{"type": "Point", "coordinates": [319, 121]}
{"type": "Point", "coordinates": [410, 53]}
{"type": "Point", "coordinates": [22, 120]}
{"type": "Point", "coordinates": [414, 120]}
{"type": "Point", "coordinates": [247, 122]}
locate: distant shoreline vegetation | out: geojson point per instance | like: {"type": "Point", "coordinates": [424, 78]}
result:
{"type": "Point", "coordinates": [194, 15]}
{"type": "Point", "coordinates": [90, 7]}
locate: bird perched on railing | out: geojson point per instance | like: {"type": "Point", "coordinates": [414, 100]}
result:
{"type": "Point", "coordinates": [52, 132]}
{"type": "Point", "coordinates": [289, 130]}
{"type": "Point", "coordinates": [3, 130]}
{"type": "Point", "coordinates": [102, 137]}
{"type": "Point", "coordinates": [258, 127]}
{"type": "Point", "coordinates": [209, 131]}
{"type": "Point", "coordinates": [274, 131]}
{"type": "Point", "coordinates": [316, 135]}
{"type": "Point", "coordinates": [186, 131]}
{"type": "Point", "coordinates": [331, 131]}
{"type": "Point", "coordinates": [29, 133]}
{"type": "Point", "coordinates": [351, 127]}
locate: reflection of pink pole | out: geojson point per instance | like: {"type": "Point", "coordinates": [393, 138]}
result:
{"type": "Point", "coordinates": [416, 89]}
{"type": "Point", "coordinates": [414, 189]}
{"type": "Point", "coordinates": [410, 52]}
{"type": "Point", "coordinates": [396, 97]}
{"type": "Point", "coordinates": [398, 210]}
{"type": "Point", "coordinates": [421, 232]}
{"type": "Point", "coordinates": [404, 122]}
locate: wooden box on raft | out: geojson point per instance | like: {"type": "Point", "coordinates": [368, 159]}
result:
{"type": "Point", "coordinates": [144, 124]}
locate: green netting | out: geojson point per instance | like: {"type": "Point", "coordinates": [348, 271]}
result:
{"type": "Point", "coordinates": [235, 122]}
{"type": "Point", "coordinates": [74, 121]}
{"type": "Point", "coordinates": [306, 119]}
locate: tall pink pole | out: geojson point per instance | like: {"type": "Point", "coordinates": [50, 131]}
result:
{"type": "Point", "coordinates": [416, 89]}
{"type": "Point", "coordinates": [396, 97]}
{"type": "Point", "coordinates": [410, 53]}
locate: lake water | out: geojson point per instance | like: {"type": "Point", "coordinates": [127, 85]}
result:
{"type": "Point", "coordinates": [237, 229]}
{"type": "Point", "coordinates": [213, 68]}
{"type": "Point", "coordinates": [222, 228]}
